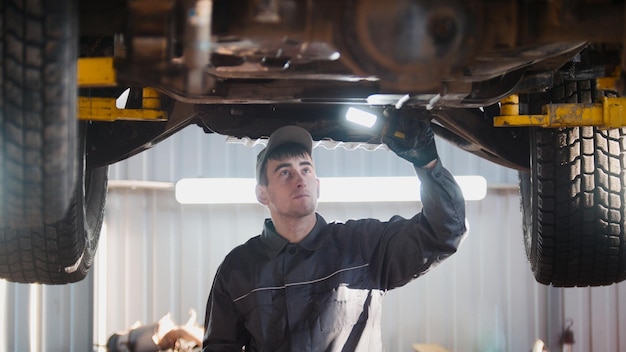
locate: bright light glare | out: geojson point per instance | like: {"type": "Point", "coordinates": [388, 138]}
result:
{"type": "Point", "coordinates": [34, 314]}
{"type": "Point", "coordinates": [121, 101]}
{"type": "Point", "coordinates": [216, 191]}
{"type": "Point", "coordinates": [100, 288]}
{"type": "Point", "coordinates": [5, 321]}
{"type": "Point", "coordinates": [390, 189]}
{"type": "Point", "coordinates": [384, 99]}
{"type": "Point", "coordinates": [334, 56]}
{"type": "Point", "coordinates": [332, 189]}
{"type": "Point", "coordinates": [361, 117]}
{"type": "Point", "coordinates": [473, 187]}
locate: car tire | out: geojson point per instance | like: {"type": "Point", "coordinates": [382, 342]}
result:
{"type": "Point", "coordinates": [51, 207]}
{"type": "Point", "coordinates": [38, 136]}
{"type": "Point", "coordinates": [573, 200]}
{"type": "Point", "coordinates": [60, 252]}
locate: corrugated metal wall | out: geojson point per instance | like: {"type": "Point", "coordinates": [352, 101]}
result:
{"type": "Point", "coordinates": [157, 256]}
{"type": "Point", "coordinates": [191, 153]}
{"type": "Point", "coordinates": [46, 318]}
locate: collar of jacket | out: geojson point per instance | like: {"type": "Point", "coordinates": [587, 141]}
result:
{"type": "Point", "coordinates": [273, 243]}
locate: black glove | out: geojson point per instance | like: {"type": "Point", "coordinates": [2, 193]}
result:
{"type": "Point", "coordinates": [411, 139]}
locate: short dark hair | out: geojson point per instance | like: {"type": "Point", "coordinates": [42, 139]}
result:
{"type": "Point", "coordinates": [286, 150]}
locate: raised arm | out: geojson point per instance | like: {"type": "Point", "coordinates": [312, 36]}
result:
{"type": "Point", "coordinates": [410, 247]}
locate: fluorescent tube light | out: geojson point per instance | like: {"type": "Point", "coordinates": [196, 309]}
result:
{"type": "Point", "coordinates": [332, 189]}
{"type": "Point", "coordinates": [216, 191]}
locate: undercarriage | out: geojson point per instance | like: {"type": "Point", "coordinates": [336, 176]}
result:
{"type": "Point", "coordinates": [534, 86]}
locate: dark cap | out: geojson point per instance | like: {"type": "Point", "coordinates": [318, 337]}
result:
{"type": "Point", "coordinates": [286, 134]}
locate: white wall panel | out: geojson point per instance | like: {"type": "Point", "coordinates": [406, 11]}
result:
{"type": "Point", "coordinates": [43, 318]}
{"type": "Point", "coordinates": [598, 315]}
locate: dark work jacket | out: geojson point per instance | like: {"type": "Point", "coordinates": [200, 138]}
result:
{"type": "Point", "coordinates": [325, 293]}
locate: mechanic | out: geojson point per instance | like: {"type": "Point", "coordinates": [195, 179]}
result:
{"type": "Point", "coordinates": [307, 285]}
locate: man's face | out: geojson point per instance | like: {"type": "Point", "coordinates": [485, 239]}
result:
{"type": "Point", "coordinates": [292, 188]}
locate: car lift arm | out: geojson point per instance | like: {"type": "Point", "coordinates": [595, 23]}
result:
{"type": "Point", "coordinates": [606, 114]}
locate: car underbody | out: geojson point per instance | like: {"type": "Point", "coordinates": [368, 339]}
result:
{"type": "Point", "coordinates": [511, 81]}
{"type": "Point", "coordinates": [277, 62]}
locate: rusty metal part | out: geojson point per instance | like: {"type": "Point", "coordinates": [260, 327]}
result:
{"type": "Point", "coordinates": [412, 45]}
{"type": "Point", "coordinates": [151, 30]}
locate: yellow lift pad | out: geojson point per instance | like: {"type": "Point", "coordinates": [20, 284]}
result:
{"type": "Point", "coordinates": [105, 109]}
{"type": "Point", "coordinates": [100, 72]}
{"type": "Point", "coordinates": [96, 72]}
{"type": "Point", "coordinates": [607, 114]}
